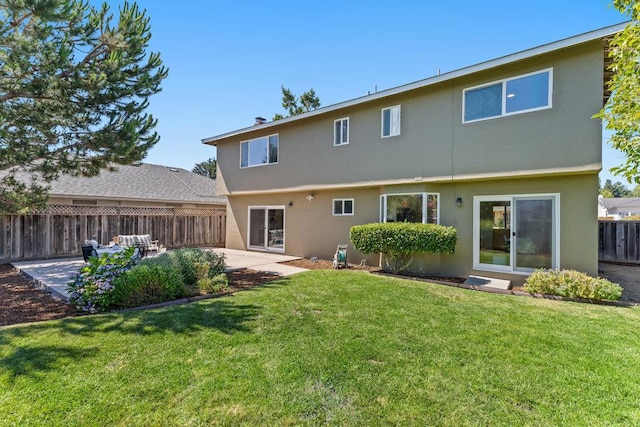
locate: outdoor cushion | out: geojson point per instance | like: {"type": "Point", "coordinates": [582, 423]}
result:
{"type": "Point", "coordinates": [93, 243]}
{"type": "Point", "coordinates": [143, 238]}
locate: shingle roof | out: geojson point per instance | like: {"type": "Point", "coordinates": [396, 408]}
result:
{"type": "Point", "coordinates": [620, 202]}
{"type": "Point", "coordinates": [142, 182]}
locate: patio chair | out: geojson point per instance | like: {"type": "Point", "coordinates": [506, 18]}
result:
{"type": "Point", "coordinates": [87, 252]}
{"type": "Point", "coordinates": [142, 249]}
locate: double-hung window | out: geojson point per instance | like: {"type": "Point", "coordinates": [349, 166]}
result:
{"type": "Point", "coordinates": [341, 131]}
{"type": "Point", "coordinates": [529, 92]}
{"type": "Point", "coordinates": [259, 151]}
{"type": "Point", "coordinates": [410, 207]}
{"type": "Point", "coordinates": [342, 207]}
{"type": "Point", "coordinates": [391, 121]}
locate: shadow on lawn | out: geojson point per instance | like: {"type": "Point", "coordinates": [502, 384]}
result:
{"type": "Point", "coordinates": [19, 359]}
{"type": "Point", "coordinates": [32, 360]}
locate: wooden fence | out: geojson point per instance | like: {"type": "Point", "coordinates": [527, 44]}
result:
{"type": "Point", "coordinates": [62, 229]}
{"type": "Point", "coordinates": [619, 241]}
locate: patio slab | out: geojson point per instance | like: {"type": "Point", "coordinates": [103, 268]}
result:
{"type": "Point", "coordinates": [53, 275]}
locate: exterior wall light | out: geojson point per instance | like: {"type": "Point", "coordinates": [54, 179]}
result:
{"type": "Point", "coordinates": [458, 201]}
{"type": "Point", "coordinates": [309, 197]}
{"type": "Point", "coordinates": [290, 204]}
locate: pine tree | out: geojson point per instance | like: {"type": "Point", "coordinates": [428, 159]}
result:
{"type": "Point", "coordinates": [74, 87]}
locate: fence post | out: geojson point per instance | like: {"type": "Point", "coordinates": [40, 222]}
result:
{"type": "Point", "coordinates": [48, 233]}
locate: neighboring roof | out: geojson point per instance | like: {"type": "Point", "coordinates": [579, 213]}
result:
{"type": "Point", "coordinates": [516, 57]}
{"type": "Point", "coordinates": [620, 202]}
{"type": "Point", "coordinates": [141, 182]}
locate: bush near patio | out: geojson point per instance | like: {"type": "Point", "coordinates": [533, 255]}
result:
{"type": "Point", "coordinates": [398, 241]}
{"type": "Point", "coordinates": [572, 284]}
{"type": "Point", "coordinates": [120, 281]}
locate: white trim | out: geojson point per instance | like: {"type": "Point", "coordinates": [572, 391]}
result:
{"type": "Point", "coordinates": [512, 198]}
{"type": "Point", "coordinates": [424, 194]}
{"type": "Point", "coordinates": [462, 72]}
{"type": "Point", "coordinates": [266, 247]}
{"type": "Point", "coordinates": [341, 134]}
{"type": "Point", "coordinates": [391, 121]}
{"type": "Point", "coordinates": [248, 141]}
{"type": "Point", "coordinates": [353, 207]}
{"type": "Point", "coordinates": [503, 83]}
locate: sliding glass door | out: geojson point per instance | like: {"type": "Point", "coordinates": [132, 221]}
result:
{"type": "Point", "coordinates": [516, 233]}
{"type": "Point", "coordinates": [266, 228]}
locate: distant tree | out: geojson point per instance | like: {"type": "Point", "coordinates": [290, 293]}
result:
{"type": "Point", "coordinates": [206, 168]}
{"type": "Point", "coordinates": [610, 190]}
{"type": "Point", "coordinates": [635, 192]}
{"type": "Point", "coordinates": [74, 88]}
{"type": "Point", "coordinates": [622, 111]}
{"type": "Point", "coordinates": [308, 101]}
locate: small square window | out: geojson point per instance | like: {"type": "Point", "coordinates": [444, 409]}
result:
{"type": "Point", "coordinates": [341, 131]}
{"type": "Point", "coordinates": [342, 207]}
{"type": "Point", "coordinates": [391, 121]}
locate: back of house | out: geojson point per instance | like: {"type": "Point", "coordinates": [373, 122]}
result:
{"type": "Point", "coordinates": [505, 151]}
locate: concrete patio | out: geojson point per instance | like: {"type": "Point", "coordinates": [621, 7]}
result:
{"type": "Point", "coordinates": [53, 275]}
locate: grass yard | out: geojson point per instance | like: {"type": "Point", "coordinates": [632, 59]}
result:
{"type": "Point", "coordinates": [330, 348]}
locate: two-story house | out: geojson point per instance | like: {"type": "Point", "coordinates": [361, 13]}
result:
{"type": "Point", "coordinates": [506, 151]}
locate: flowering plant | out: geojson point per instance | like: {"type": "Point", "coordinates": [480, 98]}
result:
{"type": "Point", "coordinates": [91, 289]}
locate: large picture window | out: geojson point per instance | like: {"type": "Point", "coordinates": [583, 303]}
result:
{"type": "Point", "coordinates": [411, 207]}
{"type": "Point", "coordinates": [515, 95]}
{"type": "Point", "coordinates": [259, 151]}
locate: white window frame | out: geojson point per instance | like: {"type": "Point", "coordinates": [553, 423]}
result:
{"type": "Point", "coordinates": [504, 82]}
{"type": "Point", "coordinates": [266, 247]}
{"type": "Point", "coordinates": [383, 204]}
{"type": "Point", "coordinates": [335, 135]}
{"type": "Point", "coordinates": [333, 208]}
{"type": "Point", "coordinates": [392, 125]}
{"type": "Point", "coordinates": [511, 198]}
{"type": "Point", "coordinates": [249, 141]}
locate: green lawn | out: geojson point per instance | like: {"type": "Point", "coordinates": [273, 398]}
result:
{"type": "Point", "coordinates": [330, 348]}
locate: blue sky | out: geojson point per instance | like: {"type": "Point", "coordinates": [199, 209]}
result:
{"type": "Point", "coordinates": [228, 59]}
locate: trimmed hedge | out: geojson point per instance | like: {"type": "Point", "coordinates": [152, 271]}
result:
{"type": "Point", "coordinates": [572, 284]}
{"type": "Point", "coordinates": [398, 241]}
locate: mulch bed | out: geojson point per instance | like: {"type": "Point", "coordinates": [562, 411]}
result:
{"type": "Point", "coordinates": [21, 302]}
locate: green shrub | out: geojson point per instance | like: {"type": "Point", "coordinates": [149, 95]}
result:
{"type": "Point", "coordinates": [217, 283]}
{"type": "Point", "coordinates": [571, 284]}
{"type": "Point", "coordinates": [186, 260]}
{"type": "Point", "coordinates": [148, 283]}
{"type": "Point", "coordinates": [398, 241]}
{"type": "Point", "coordinates": [92, 288]}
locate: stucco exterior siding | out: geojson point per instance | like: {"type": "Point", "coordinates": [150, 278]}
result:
{"type": "Point", "coordinates": [312, 230]}
{"type": "Point", "coordinates": [434, 142]}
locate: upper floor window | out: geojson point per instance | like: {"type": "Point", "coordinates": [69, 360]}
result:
{"type": "Point", "coordinates": [342, 207]}
{"type": "Point", "coordinates": [341, 131]}
{"type": "Point", "coordinates": [515, 95]}
{"type": "Point", "coordinates": [411, 207]}
{"type": "Point", "coordinates": [391, 121]}
{"type": "Point", "coordinates": [259, 151]}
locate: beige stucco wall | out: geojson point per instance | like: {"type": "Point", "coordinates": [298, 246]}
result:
{"type": "Point", "coordinates": [434, 143]}
{"type": "Point", "coordinates": [312, 230]}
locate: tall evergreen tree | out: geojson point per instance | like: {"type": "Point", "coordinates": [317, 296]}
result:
{"type": "Point", "coordinates": [308, 101]}
{"type": "Point", "coordinates": [74, 87]}
{"type": "Point", "coordinates": [206, 168]}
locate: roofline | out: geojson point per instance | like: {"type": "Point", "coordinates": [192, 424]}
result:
{"type": "Point", "coordinates": [135, 199]}
{"type": "Point", "coordinates": [482, 66]}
